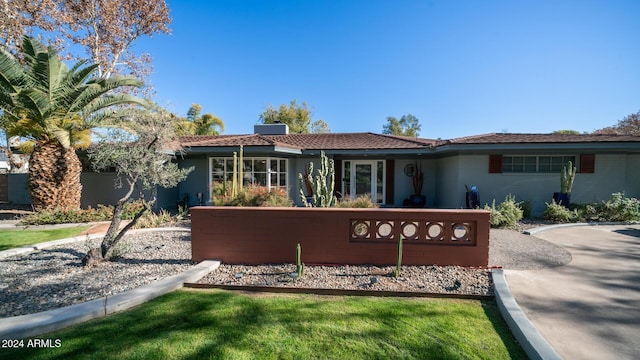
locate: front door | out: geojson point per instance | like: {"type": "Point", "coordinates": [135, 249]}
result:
{"type": "Point", "coordinates": [364, 177]}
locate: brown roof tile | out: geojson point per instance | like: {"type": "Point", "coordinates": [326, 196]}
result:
{"type": "Point", "coordinates": [328, 141]}
{"type": "Point", "coordinates": [369, 141]}
{"type": "Point", "coordinates": [507, 138]}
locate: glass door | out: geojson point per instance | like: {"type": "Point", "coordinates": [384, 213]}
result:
{"type": "Point", "coordinates": [363, 177]}
{"type": "Point", "coordinates": [363, 181]}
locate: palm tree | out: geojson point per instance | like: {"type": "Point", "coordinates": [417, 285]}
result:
{"type": "Point", "coordinates": [54, 108]}
{"type": "Point", "coordinates": [207, 124]}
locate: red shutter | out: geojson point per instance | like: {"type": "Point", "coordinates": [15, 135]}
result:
{"type": "Point", "coordinates": [495, 164]}
{"type": "Point", "coordinates": [390, 182]}
{"type": "Point", "coordinates": [587, 163]}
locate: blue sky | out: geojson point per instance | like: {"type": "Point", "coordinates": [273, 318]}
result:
{"type": "Point", "coordinates": [461, 67]}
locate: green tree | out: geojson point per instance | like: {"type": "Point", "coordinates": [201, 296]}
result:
{"type": "Point", "coordinates": [142, 157]}
{"type": "Point", "coordinates": [630, 125]}
{"type": "Point", "coordinates": [296, 116]}
{"type": "Point", "coordinates": [196, 124]}
{"type": "Point", "coordinates": [54, 108]}
{"type": "Point", "coordinates": [408, 125]}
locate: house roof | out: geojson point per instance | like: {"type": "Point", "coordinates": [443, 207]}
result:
{"type": "Point", "coordinates": [328, 141]}
{"type": "Point", "coordinates": [366, 142]}
{"type": "Point", "coordinates": [508, 138]}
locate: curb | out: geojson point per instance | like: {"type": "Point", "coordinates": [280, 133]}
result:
{"type": "Point", "coordinates": [23, 326]}
{"type": "Point", "coordinates": [531, 341]}
{"type": "Point", "coordinates": [559, 226]}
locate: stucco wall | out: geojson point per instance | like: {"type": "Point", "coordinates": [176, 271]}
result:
{"type": "Point", "coordinates": [97, 188]}
{"type": "Point", "coordinates": [613, 173]}
{"type": "Point", "coordinates": [449, 193]}
{"type": "Point", "coordinates": [403, 185]}
{"type": "Point", "coordinates": [245, 235]}
{"type": "Point", "coordinates": [632, 183]}
{"type": "Point", "coordinates": [197, 180]}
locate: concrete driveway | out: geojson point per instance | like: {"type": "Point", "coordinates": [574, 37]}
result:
{"type": "Point", "coordinates": [589, 308]}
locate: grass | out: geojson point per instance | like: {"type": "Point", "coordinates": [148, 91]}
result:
{"type": "Point", "coordinates": [216, 324]}
{"type": "Point", "coordinates": [15, 238]}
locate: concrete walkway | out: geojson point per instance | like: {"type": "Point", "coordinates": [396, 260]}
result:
{"type": "Point", "coordinates": [590, 308]}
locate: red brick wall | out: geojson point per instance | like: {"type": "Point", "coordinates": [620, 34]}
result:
{"type": "Point", "coordinates": [246, 235]}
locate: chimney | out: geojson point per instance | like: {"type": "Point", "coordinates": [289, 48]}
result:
{"type": "Point", "coordinates": [271, 129]}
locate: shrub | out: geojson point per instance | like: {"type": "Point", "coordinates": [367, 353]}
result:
{"type": "Point", "coordinates": [507, 214]}
{"type": "Point", "coordinates": [152, 219]}
{"type": "Point", "coordinates": [526, 208]}
{"type": "Point", "coordinates": [362, 201]}
{"type": "Point", "coordinates": [256, 196]}
{"type": "Point", "coordinates": [131, 208]}
{"type": "Point", "coordinates": [558, 213]}
{"type": "Point", "coordinates": [586, 212]}
{"type": "Point", "coordinates": [620, 208]}
{"type": "Point", "coordinates": [59, 216]}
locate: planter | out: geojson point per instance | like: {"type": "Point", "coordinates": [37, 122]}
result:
{"type": "Point", "coordinates": [472, 200]}
{"type": "Point", "coordinates": [417, 201]}
{"type": "Point", "coordinates": [562, 198]}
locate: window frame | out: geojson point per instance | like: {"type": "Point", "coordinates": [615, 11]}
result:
{"type": "Point", "coordinates": [282, 175]}
{"type": "Point", "coordinates": [525, 165]}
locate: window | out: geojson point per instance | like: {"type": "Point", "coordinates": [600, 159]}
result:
{"type": "Point", "coordinates": [269, 172]}
{"type": "Point", "coordinates": [536, 164]}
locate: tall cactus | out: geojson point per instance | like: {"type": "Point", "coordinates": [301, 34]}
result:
{"type": "Point", "coordinates": [234, 177]}
{"type": "Point", "coordinates": [299, 264]}
{"type": "Point", "coordinates": [566, 178]}
{"type": "Point", "coordinates": [238, 173]}
{"type": "Point", "coordinates": [322, 184]}
{"type": "Point", "coordinates": [396, 272]}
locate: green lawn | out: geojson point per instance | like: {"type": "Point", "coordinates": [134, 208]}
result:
{"type": "Point", "coordinates": [216, 324]}
{"type": "Point", "coordinates": [15, 238]}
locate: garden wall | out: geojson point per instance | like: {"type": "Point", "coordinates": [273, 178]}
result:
{"type": "Point", "coordinates": [245, 235]}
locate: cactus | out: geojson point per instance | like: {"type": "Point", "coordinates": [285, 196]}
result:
{"type": "Point", "coordinates": [238, 173]}
{"type": "Point", "coordinates": [241, 169]}
{"type": "Point", "coordinates": [322, 184]}
{"type": "Point", "coordinates": [305, 181]}
{"type": "Point", "coordinates": [566, 178]}
{"type": "Point", "coordinates": [396, 272]}
{"type": "Point", "coordinates": [299, 265]}
{"type": "Point", "coordinates": [234, 179]}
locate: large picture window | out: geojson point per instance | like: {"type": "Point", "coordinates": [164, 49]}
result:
{"type": "Point", "coordinates": [258, 171]}
{"type": "Point", "coordinates": [536, 164]}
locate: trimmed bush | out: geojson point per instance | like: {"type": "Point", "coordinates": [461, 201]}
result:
{"type": "Point", "coordinates": [507, 214]}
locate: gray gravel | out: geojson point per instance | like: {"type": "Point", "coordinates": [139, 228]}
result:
{"type": "Point", "coordinates": [54, 277]}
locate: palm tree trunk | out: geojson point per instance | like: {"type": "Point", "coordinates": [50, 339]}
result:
{"type": "Point", "coordinates": [54, 177]}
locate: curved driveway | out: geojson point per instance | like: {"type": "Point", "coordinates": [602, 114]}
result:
{"type": "Point", "coordinates": [589, 308]}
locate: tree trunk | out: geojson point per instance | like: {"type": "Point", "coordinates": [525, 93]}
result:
{"type": "Point", "coordinates": [112, 237]}
{"type": "Point", "coordinates": [54, 177]}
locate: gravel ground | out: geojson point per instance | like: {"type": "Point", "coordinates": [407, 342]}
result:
{"type": "Point", "coordinates": [54, 277]}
